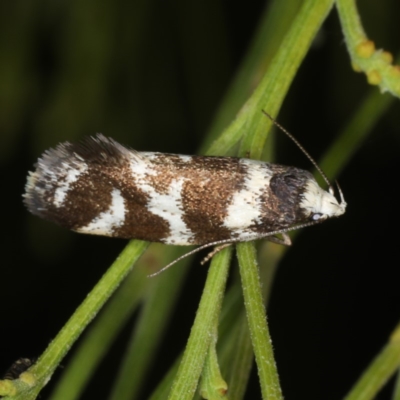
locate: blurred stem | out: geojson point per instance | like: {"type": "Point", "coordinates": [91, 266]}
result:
{"type": "Point", "coordinates": [236, 356]}
{"type": "Point", "coordinates": [98, 339]}
{"type": "Point", "coordinates": [186, 380]}
{"type": "Point", "coordinates": [355, 132]}
{"type": "Point", "coordinates": [379, 371]}
{"type": "Point", "coordinates": [42, 371]}
{"type": "Point", "coordinates": [361, 124]}
{"type": "Point", "coordinates": [163, 388]}
{"type": "Point", "coordinates": [396, 392]}
{"type": "Point", "coordinates": [250, 124]}
{"type": "Point", "coordinates": [273, 26]}
{"type": "Point", "coordinates": [213, 385]}
{"type": "Point", "coordinates": [351, 22]}
{"type": "Point", "coordinates": [148, 332]}
{"type": "Point", "coordinates": [376, 64]}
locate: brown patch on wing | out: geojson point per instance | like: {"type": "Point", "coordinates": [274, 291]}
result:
{"type": "Point", "coordinates": [139, 222]}
{"type": "Point", "coordinates": [89, 196]}
{"type": "Point", "coordinates": [206, 196]}
{"type": "Point", "coordinates": [168, 168]}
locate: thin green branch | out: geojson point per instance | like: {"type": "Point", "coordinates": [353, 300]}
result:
{"type": "Point", "coordinates": [271, 91]}
{"type": "Point", "coordinates": [163, 388]}
{"type": "Point", "coordinates": [274, 24]}
{"type": "Point", "coordinates": [149, 330]}
{"type": "Point", "coordinates": [237, 355]}
{"type": "Point", "coordinates": [396, 391]}
{"type": "Point", "coordinates": [256, 316]}
{"type": "Point", "coordinates": [380, 370]}
{"type": "Point", "coordinates": [355, 132]}
{"type": "Point", "coordinates": [191, 366]}
{"type": "Point", "coordinates": [376, 64]}
{"type": "Point", "coordinates": [213, 385]}
{"type": "Point", "coordinates": [31, 382]}
{"type": "Point", "coordinates": [99, 337]}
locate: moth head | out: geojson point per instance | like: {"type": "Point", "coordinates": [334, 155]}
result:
{"type": "Point", "coordinates": [319, 204]}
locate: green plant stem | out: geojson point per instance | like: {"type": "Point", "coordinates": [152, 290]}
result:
{"type": "Point", "coordinates": [101, 334]}
{"type": "Point", "coordinates": [237, 357]}
{"type": "Point", "coordinates": [50, 359]}
{"type": "Point", "coordinates": [376, 64]}
{"type": "Point", "coordinates": [256, 316]}
{"type": "Point", "coordinates": [149, 330]}
{"type": "Point", "coordinates": [274, 24]}
{"type": "Point", "coordinates": [396, 391]}
{"type": "Point", "coordinates": [379, 371]}
{"type": "Point", "coordinates": [213, 385]}
{"type": "Point", "coordinates": [163, 388]}
{"type": "Point", "coordinates": [351, 22]}
{"type": "Point", "coordinates": [354, 133]}
{"type": "Point", "coordinates": [186, 380]}
{"type": "Point", "coordinates": [271, 91]}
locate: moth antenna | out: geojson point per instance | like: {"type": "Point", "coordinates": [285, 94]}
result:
{"type": "Point", "coordinates": [212, 253]}
{"type": "Point", "coordinates": [224, 243]}
{"type": "Point", "coordinates": [189, 253]}
{"type": "Point", "coordinates": [305, 152]}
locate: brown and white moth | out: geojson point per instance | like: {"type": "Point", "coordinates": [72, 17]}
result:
{"type": "Point", "coordinates": [100, 187]}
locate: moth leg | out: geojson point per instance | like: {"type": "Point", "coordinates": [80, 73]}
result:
{"type": "Point", "coordinates": [216, 250]}
{"type": "Point", "coordinates": [285, 241]}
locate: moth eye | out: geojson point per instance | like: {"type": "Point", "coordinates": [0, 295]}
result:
{"type": "Point", "coordinates": [316, 217]}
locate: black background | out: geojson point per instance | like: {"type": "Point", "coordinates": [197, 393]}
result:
{"type": "Point", "coordinates": [153, 80]}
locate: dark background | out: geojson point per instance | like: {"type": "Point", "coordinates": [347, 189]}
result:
{"type": "Point", "coordinates": [151, 75]}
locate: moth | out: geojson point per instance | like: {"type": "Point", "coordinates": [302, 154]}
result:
{"type": "Point", "coordinates": [100, 187]}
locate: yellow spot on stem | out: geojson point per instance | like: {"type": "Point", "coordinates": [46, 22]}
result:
{"type": "Point", "coordinates": [356, 67]}
{"type": "Point", "coordinates": [395, 71]}
{"type": "Point", "coordinates": [374, 77]}
{"type": "Point", "coordinates": [7, 388]}
{"type": "Point", "coordinates": [365, 49]}
{"type": "Point", "coordinates": [386, 56]}
{"type": "Point", "coordinates": [28, 378]}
